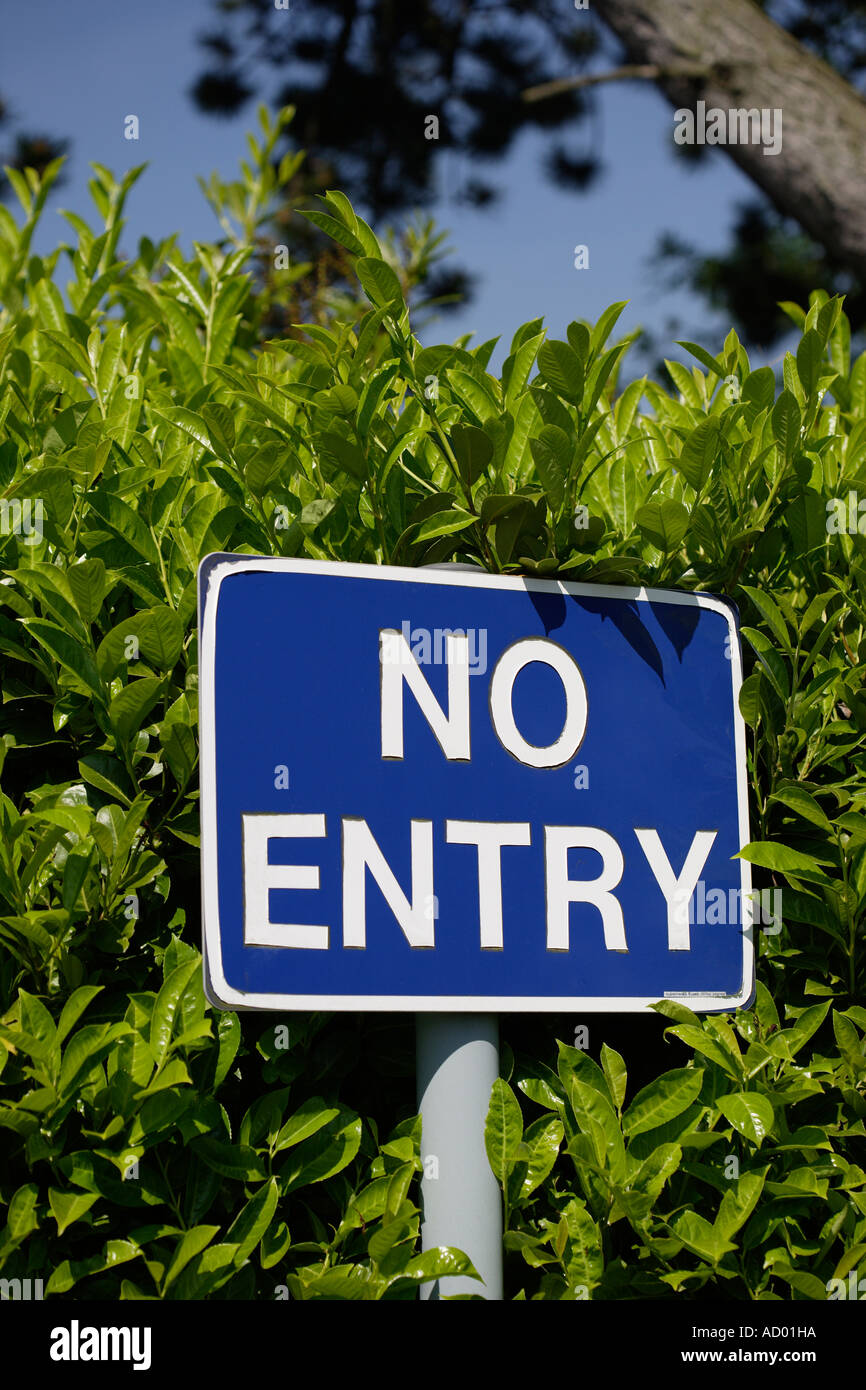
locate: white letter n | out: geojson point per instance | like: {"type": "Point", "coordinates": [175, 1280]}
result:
{"type": "Point", "coordinates": [360, 853]}
{"type": "Point", "coordinates": [397, 664]}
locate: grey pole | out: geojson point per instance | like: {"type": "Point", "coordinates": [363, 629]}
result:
{"type": "Point", "coordinates": [456, 1064]}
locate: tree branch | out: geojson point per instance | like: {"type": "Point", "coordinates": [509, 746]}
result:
{"type": "Point", "coordinates": [650, 72]}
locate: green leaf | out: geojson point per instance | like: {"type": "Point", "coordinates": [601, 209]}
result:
{"type": "Point", "coordinates": [542, 1139]}
{"type": "Point", "coordinates": [379, 282]}
{"type": "Point", "coordinates": [473, 450]}
{"type": "Point", "coordinates": [798, 799]}
{"type": "Point", "coordinates": [275, 1242]}
{"type": "Point", "coordinates": [87, 582]}
{"type": "Point", "coordinates": [228, 1036]}
{"type": "Point", "coordinates": [220, 423]}
{"type": "Point", "coordinates": [125, 523]}
{"type": "Point", "coordinates": [106, 773]}
{"type": "Point", "coordinates": [774, 665]}
{"type": "Point", "coordinates": [662, 1099]}
{"type": "Point", "coordinates": [850, 1044]}
{"type": "Point", "coordinates": [312, 1116]}
{"type": "Point", "coordinates": [783, 859]}
{"type": "Point", "coordinates": [166, 1006]}
{"type": "Point", "coordinates": [232, 1161]}
{"type": "Point", "coordinates": [598, 1120]}
{"type": "Point", "coordinates": [503, 1130]}
{"type": "Point", "coordinates": [46, 298]}
{"type": "Point", "coordinates": [264, 468]}
{"type": "Point", "coordinates": [191, 1243]}
{"type": "Point", "coordinates": [439, 1262]}
{"type": "Point", "coordinates": [808, 1023]}
{"type": "Point", "coordinates": [69, 1272]}
{"type": "Point", "coordinates": [160, 635]}
{"type": "Point", "coordinates": [444, 524]}
{"type": "Point", "coordinates": [552, 453]}
{"type": "Point", "coordinates": [180, 751]}
{"type": "Point", "coordinates": [759, 390]}
{"type": "Point", "coordinates": [810, 355]}
{"type": "Point", "coordinates": [372, 393]}
{"type": "Point", "coordinates": [582, 1254]}
{"type": "Point", "coordinates": [750, 699]}
{"type": "Point", "coordinates": [36, 1020]}
{"type": "Point", "coordinates": [664, 522]}
{"type": "Point", "coordinates": [21, 1217]}
{"type": "Point", "coordinates": [698, 1235]}
{"type": "Point", "coordinates": [343, 454]}
{"type": "Point", "coordinates": [74, 1008]}
{"type": "Point", "coordinates": [71, 654]}
{"type": "Point", "coordinates": [67, 1207]}
{"type": "Point", "coordinates": [699, 453]}
{"type": "Point", "coordinates": [251, 1223]}
{"type": "Point", "coordinates": [85, 1049]}
{"type": "Point", "coordinates": [704, 358]}
{"type": "Point", "coordinates": [189, 422]}
{"type": "Point", "coordinates": [559, 364]}
{"type": "Point", "coordinates": [323, 1155]}
{"type": "Point", "coordinates": [771, 614]}
{"type": "Point", "coordinates": [786, 424]}
{"type": "Point", "coordinates": [738, 1203]}
{"type": "Point", "coordinates": [128, 709]}
{"type": "Point", "coordinates": [702, 1042]}
{"type": "Point", "coordinates": [615, 1071]}
{"type": "Point", "coordinates": [572, 1063]}
{"type": "Point", "coordinates": [750, 1113]}
{"type": "Point", "coordinates": [605, 325]}
{"type": "Point", "coordinates": [334, 229]}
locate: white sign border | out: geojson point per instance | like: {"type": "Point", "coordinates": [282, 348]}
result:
{"type": "Point", "coordinates": [213, 569]}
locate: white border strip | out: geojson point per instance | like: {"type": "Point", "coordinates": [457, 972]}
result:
{"type": "Point", "coordinates": [225, 996]}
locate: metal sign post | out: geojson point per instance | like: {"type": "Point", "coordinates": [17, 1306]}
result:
{"type": "Point", "coordinates": [457, 1062]}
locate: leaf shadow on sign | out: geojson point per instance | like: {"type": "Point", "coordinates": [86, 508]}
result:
{"type": "Point", "coordinates": [679, 622]}
{"type": "Point", "coordinates": [550, 608]}
{"type": "Point", "coordinates": [625, 616]}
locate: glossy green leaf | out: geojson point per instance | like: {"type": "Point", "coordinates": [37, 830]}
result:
{"type": "Point", "coordinates": [750, 1113]}
{"type": "Point", "coordinates": [503, 1130]}
{"type": "Point", "coordinates": [662, 1099]}
{"type": "Point", "coordinates": [87, 583]}
{"type": "Point", "coordinates": [561, 366]}
{"type": "Point", "coordinates": [699, 453]}
{"type": "Point", "coordinates": [166, 1007]}
{"type": "Point", "coordinates": [312, 1116]}
{"type": "Point", "coordinates": [130, 707]}
{"type": "Point", "coordinates": [663, 522]}
{"type": "Point", "coordinates": [67, 1207]}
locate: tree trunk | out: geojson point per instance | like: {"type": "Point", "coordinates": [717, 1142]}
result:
{"type": "Point", "coordinates": [818, 175]}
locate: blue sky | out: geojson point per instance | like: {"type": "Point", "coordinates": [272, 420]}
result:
{"type": "Point", "coordinates": [76, 70]}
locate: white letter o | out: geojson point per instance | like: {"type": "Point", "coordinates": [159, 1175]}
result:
{"type": "Point", "coordinates": [508, 667]}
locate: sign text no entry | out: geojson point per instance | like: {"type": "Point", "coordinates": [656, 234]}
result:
{"type": "Point", "coordinates": [439, 791]}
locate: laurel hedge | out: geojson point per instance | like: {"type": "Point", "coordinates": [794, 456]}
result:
{"type": "Point", "coordinates": [154, 1148]}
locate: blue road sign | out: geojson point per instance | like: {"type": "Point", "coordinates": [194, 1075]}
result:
{"type": "Point", "coordinates": [443, 790]}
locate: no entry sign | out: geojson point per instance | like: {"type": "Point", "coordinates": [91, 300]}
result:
{"type": "Point", "coordinates": [441, 790]}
